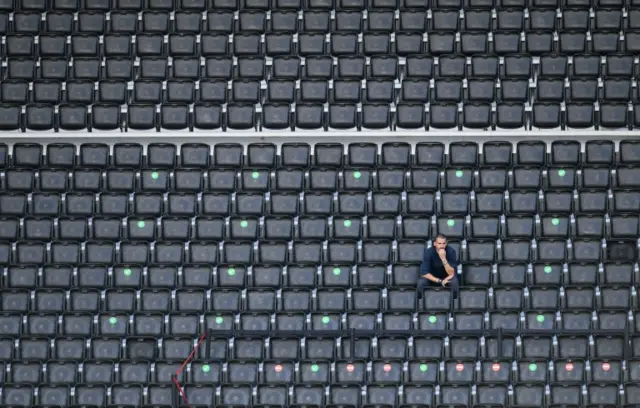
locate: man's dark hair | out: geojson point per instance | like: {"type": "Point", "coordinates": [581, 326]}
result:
{"type": "Point", "coordinates": [440, 236]}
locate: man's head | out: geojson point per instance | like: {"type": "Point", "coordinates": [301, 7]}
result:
{"type": "Point", "coordinates": [440, 242]}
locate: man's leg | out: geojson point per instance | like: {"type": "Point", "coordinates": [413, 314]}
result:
{"type": "Point", "coordinates": [455, 286]}
{"type": "Point", "coordinates": [422, 284]}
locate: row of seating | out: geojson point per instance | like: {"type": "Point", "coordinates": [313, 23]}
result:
{"type": "Point", "coordinates": [351, 43]}
{"type": "Point", "coordinates": [478, 275]}
{"type": "Point", "coordinates": [450, 209]}
{"type": "Point", "coordinates": [350, 182]}
{"type": "Point", "coordinates": [555, 208]}
{"type": "Point", "coordinates": [481, 227]}
{"type": "Point", "coordinates": [536, 347]}
{"type": "Point", "coordinates": [471, 299]}
{"type": "Point", "coordinates": [432, 372]}
{"type": "Point", "coordinates": [156, 324]}
{"type": "Point", "coordinates": [316, 18]}
{"type": "Point", "coordinates": [102, 117]}
{"type": "Point", "coordinates": [300, 253]}
{"type": "Point", "coordinates": [312, 396]}
{"type": "Point", "coordinates": [204, 5]}
{"type": "Point", "coordinates": [361, 156]}
{"type": "Point", "coordinates": [581, 91]}
{"type": "Point", "coordinates": [513, 65]}
{"type": "Point", "coordinates": [444, 17]}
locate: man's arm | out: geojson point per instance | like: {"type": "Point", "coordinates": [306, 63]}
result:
{"type": "Point", "coordinates": [425, 268]}
{"type": "Point", "coordinates": [450, 263]}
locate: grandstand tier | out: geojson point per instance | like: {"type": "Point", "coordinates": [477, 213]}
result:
{"type": "Point", "coordinates": [253, 65]}
{"type": "Point", "coordinates": [297, 263]}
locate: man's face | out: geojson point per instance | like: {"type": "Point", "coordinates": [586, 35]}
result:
{"type": "Point", "coordinates": [440, 243]}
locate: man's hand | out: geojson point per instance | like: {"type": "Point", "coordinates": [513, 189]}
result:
{"type": "Point", "coordinates": [442, 253]}
{"type": "Point", "coordinates": [426, 276]}
{"type": "Point", "coordinates": [446, 281]}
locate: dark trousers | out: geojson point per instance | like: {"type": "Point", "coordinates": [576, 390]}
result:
{"type": "Point", "coordinates": [424, 282]}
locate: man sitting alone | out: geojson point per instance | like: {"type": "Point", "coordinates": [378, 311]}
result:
{"type": "Point", "coordinates": [439, 267]}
